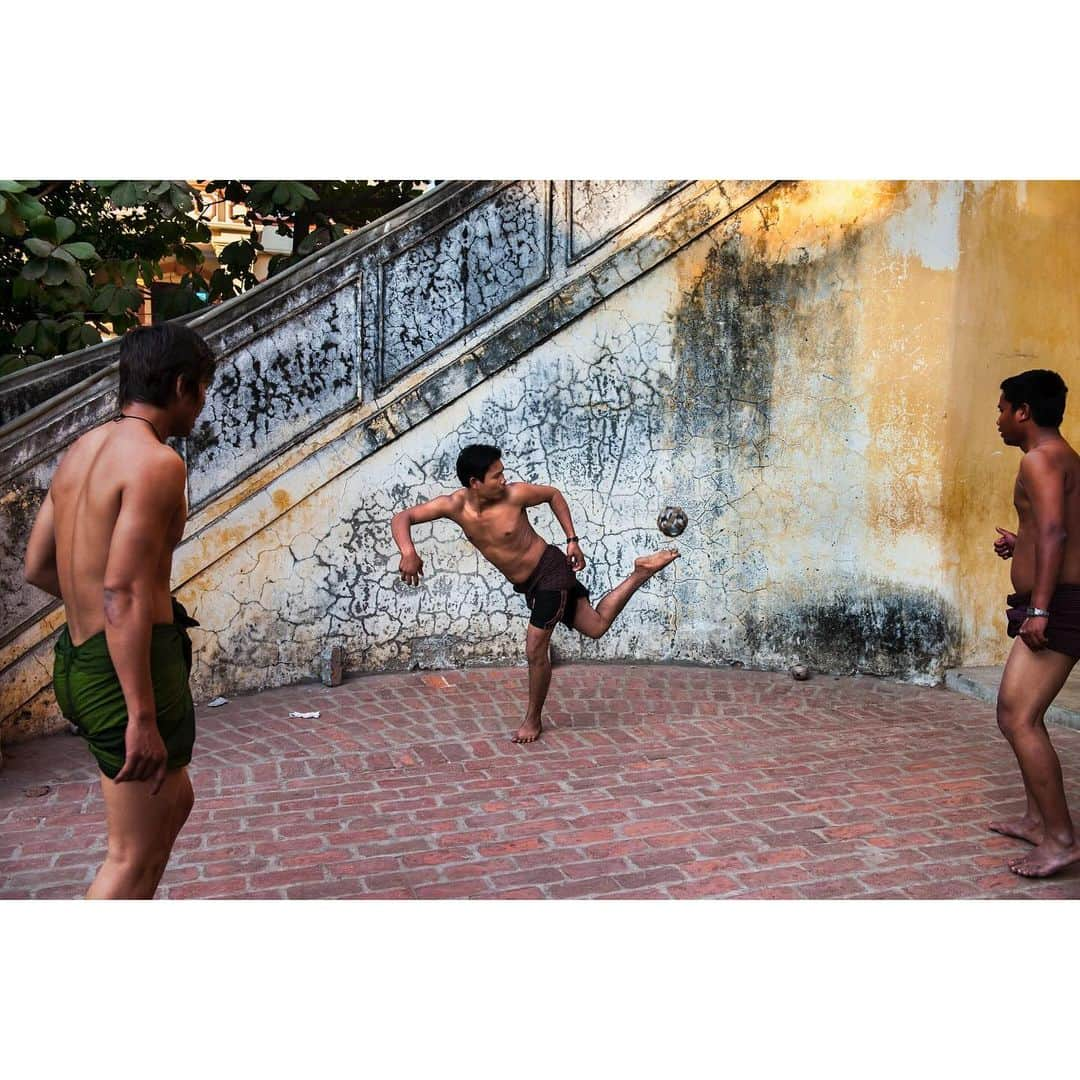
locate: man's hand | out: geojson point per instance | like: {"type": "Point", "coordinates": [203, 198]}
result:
{"type": "Point", "coordinates": [1033, 632]}
{"type": "Point", "coordinates": [411, 569]}
{"type": "Point", "coordinates": [1004, 544]}
{"type": "Point", "coordinates": [147, 758]}
{"type": "Point", "coordinates": [574, 556]}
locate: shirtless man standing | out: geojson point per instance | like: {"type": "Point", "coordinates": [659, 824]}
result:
{"type": "Point", "coordinates": [103, 542]}
{"type": "Point", "coordinates": [1043, 612]}
{"type": "Point", "coordinates": [492, 515]}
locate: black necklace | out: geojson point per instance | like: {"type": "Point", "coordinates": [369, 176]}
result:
{"type": "Point", "coordinates": [131, 416]}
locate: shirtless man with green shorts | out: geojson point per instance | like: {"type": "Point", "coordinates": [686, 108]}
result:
{"type": "Point", "coordinates": [103, 542]}
{"type": "Point", "coordinates": [1043, 611]}
{"type": "Point", "coordinates": [492, 515]}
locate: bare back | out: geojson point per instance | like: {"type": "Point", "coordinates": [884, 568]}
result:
{"type": "Point", "coordinates": [1058, 458]}
{"type": "Point", "coordinates": [101, 470]}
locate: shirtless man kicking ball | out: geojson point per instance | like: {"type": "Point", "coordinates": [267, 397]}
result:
{"type": "Point", "coordinates": [492, 515]}
{"type": "Point", "coordinates": [103, 542]}
{"type": "Point", "coordinates": [1043, 611]}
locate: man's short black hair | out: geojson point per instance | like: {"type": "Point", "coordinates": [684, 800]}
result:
{"type": "Point", "coordinates": [152, 358]}
{"type": "Point", "coordinates": [1043, 392]}
{"type": "Point", "coordinates": [475, 460]}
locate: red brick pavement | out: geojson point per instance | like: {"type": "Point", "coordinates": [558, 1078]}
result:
{"type": "Point", "coordinates": [649, 782]}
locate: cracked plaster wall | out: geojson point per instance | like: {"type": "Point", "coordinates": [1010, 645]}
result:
{"type": "Point", "coordinates": [272, 389]}
{"type": "Point", "coordinates": [474, 265]}
{"type": "Point", "coordinates": [805, 379]}
{"type": "Point", "coordinates": [780, 379]}
{"type": "Point", "coordinates": [597, 207]}
{"type": "Point", "coordinates": [299, 358]}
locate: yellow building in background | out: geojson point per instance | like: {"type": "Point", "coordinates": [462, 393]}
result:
{"type": "Point", "coordinates": [225, 220]}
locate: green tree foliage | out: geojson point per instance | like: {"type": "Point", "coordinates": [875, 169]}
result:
{"type": "Point", "coordinates": [78, 257]}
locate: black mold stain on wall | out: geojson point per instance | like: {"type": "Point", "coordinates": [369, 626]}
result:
{"type": "Point", "coordinates": [725, 333]}
{"type": "Point", "coordinates": [267, 390]}
{"type": "Point", "coordinates": [204, 437]}
{"type": "Point", "coordinates": [277, 387]}
{"type": "Point", "coordinates": [729, 330]}
{"type": "Point", "coordinates": [872, 628]}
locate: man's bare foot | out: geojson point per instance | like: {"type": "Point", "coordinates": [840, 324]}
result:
{"type": "Point", "coordinates": [1024, 828]}
{"type": "Point", "coordinates": [1045, 860]}
{"type": "Point", "coordinates": [651, 564]}
{"type": "Point", "coordinates": [528, 732]}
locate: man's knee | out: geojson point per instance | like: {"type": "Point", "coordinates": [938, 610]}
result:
{"type": "Point", "coordinates": [594, 627]}
{"type": "Point", "coordinates": [1014, 718]}
{"type": "Point", "coordinates": [137, 864]}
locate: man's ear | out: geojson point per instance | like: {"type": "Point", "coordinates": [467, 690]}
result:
{"type": "Point", "coordinates": [179, 388]}
{"type": "Point", "coordinates": [1022, 412]}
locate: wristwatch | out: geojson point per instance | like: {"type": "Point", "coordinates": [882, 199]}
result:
{"type": "Point", "coordinates": [1036, 613]}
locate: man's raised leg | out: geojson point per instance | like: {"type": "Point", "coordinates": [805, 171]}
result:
{"type": "Point", "coordinates": [1029, 684]}
{"type": "Point", "coordinates": [538, 653]}
{"type": "Point", "coordinates": [592, 622]}
{"type": "Point", "coordinates": [142, 829]}
{"type": "Point", "coordinates": [595, 622]}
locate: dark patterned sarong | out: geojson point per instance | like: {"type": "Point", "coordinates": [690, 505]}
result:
{"type": "Point", "coordinates": [552, 591]}
{"type": "Point", "coordinates": [1063, 625]}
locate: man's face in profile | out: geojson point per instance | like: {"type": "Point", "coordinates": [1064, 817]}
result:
{"type": "Point", "coordinates": [493, 483]}
{"type": "Point", "coordinates": [1008, 424]}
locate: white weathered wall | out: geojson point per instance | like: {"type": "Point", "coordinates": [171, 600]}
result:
{"type": "Point", "coordinates": [770, 379]}
{"type": "Point", "coordinates": [342, 355]}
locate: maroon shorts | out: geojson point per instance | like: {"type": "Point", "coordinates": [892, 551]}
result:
{"type": "Point", "coordinates": [1063, 626]}
{"type": "Point", "coordinates": [552, 591]}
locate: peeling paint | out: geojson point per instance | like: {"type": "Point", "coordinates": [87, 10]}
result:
{"type": "Point", "coordinates": [435, 290]}
{"type": "Point", "coordinates": [929, 230]}
{"type": "Point", "coordinates": [803, 379]}
{"type": "Point", "coordinates": [690, 386]}
{"type": "Point", "coordinates": [275, 387]}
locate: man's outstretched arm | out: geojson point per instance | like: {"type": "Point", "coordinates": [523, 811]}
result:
{"type": "Point", "coordinates": [534, 495]}
{"type": "Point", "coordinates": [411, 566]}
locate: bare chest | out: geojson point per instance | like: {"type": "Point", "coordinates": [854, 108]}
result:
{"type": "Point", "coordinates": [498, 527]}
{"type": "Point", "coordinates": [1020, 500]}
{"type": "Point", "coordinates": [1069, 505]}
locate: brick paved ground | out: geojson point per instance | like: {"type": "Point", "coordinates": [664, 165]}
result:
{"type": "Point", "coordinates": [649, 782]}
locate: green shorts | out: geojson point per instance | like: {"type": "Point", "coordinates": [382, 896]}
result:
{"type": "Point", "coordinates": [89, 694]}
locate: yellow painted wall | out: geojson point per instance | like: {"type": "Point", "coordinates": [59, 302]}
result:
{"type": "Point", "coordinates": [836, 515]}
{"type": "Point", "coordinates": [1016, 308]}
{"type": "Point", "coordinates": [915, 300]}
